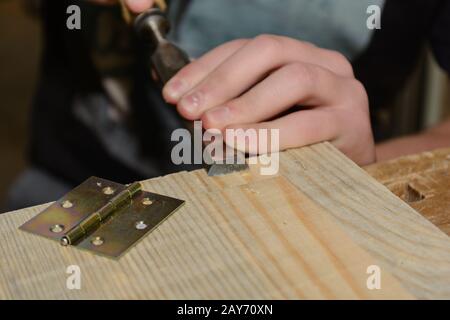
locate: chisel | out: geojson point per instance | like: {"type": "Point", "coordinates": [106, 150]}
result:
{"type": "Point", "coordinates": [167, 59]}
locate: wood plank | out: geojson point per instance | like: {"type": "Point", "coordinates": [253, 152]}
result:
{"type": "Point", "coordinates": [422, 180]}
{"type": "Point", "coordinates": [310, 232]}
{"type": "Point", "coordinates": [415, 251]}
{"type": "Point", "coordinates": [238, 243]}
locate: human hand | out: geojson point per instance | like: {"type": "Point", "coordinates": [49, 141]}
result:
{"type": "Point", "coordinates": [136, 6]}
{"type": "Point", "coordinates": [430, 139]}
{"type": "Point", "coordinates": [250, 83]}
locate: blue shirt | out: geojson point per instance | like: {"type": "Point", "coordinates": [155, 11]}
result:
{"type": "Point", "coordinates": [338, 25]}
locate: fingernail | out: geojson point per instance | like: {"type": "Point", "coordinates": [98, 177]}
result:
{"type": "Point", "coordinates": [175, 89]}
{"type": "Point", "coordinates": [192, 102]}
{"type": "Point", "coordinates": [219, 114]}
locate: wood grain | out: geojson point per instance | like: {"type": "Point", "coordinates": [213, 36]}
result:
{"type": "Point", "coordinates": [423, 181]}
{"type": "Point", "coordinates": [414, 250]}
{"type": "Point", "coordinates": [243, 242]}
{"type": "Point", "coordinates": [310, 232]}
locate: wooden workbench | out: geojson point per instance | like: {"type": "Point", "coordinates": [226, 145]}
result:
{"type": "Point", "coordinates": [423, 181]}
{"type": "Point", "coordinates": [309, 232]}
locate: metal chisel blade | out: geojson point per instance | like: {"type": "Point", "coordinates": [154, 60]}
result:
{"type": "Point", "coordinates": [219, 169]}
{"type": "Point", "coordinates": [230, 161]}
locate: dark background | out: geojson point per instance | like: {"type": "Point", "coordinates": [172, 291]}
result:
{"type": "Point", "coordinates": [19, 62]}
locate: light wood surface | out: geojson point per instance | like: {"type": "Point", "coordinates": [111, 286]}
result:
{"type": "Point", "coordinates": [309, 232]}
{"type": "Point", "coordinates": [414, 250]}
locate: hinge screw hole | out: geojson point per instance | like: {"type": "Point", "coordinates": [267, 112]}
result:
{"type": "Point", "coordinates": [141, 225]}
{"type": "Point", "coordinates": [97, 241]}
{"type": "Point", "coordinates": [57, 228]}
{"type": "Point", "coordinates": [147, 201]}
{"type": "Point", "coordinates": [67, 204]}
{"type": "Point", "coordinates": [108, 190]}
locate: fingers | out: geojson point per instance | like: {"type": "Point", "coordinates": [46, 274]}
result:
{"type": "Point", "coordinates": [197, 70]}
{"type": "Point", "coordinates": [294, 84]}
{"type": "Point", "coordinates": [240, 84]}
{"type": "Point", "coordinates": [248, 65]}
{"type": "Point", "coordinates": [139, 6]}
{"type": "Point", "coordinates": [295, 130]}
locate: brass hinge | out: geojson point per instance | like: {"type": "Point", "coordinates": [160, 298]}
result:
{"type": "Point", "coordinates": [103, 217]}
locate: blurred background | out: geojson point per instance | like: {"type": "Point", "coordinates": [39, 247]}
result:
{"type": "Point", "coordinates": [423, 102]}
{"type": "Point", "coordinates": [19, 63]}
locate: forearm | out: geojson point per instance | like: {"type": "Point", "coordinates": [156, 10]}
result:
{"type": "Point", "coordinates": [434, 138]}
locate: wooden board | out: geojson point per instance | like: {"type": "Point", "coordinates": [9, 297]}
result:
{"type": "Point", "coordinates": [310, 232]}
{"type": "Point", "coordinates": [423, 181]}
{"type": "Point", "coordinates": [415, 251]}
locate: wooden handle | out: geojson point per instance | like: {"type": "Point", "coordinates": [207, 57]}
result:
{"type": "Point", "coordinates": [126, 14]}
{"type": "Point", "coordinates": [162, 5]}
